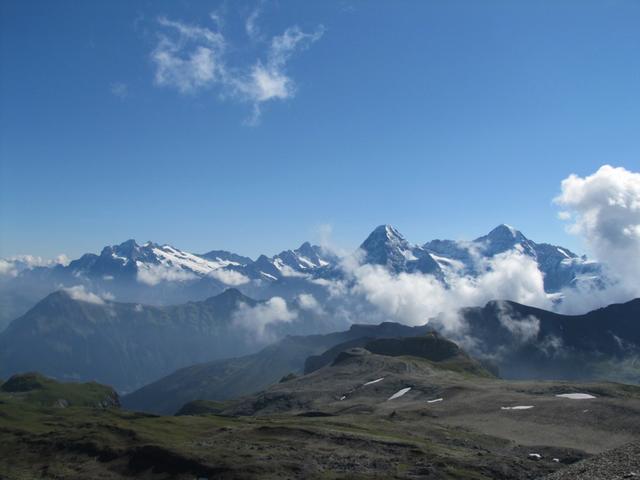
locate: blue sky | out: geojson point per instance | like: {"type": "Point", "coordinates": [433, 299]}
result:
{"type": "Point", "coordinates": [444, 118]}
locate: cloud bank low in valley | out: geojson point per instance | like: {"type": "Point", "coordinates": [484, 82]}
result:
{"type": "Point", "coordinates": [602, 208]}
{"type": "Point", "coordinates": [381, 282]}
{"type": "Point", "coordinates": [258, 318]}
{"type": "Point", "coordinates": [375, 293]}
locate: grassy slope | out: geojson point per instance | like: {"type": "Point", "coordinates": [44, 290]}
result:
{"type": "Point", "coordinates": [38, 440]}
{"type": "Point", "coordinates": [81, 442]}
{"type": "Point", "coordinates": [37, 389]}
{"type": "Point", "coordinates": [467, 436]}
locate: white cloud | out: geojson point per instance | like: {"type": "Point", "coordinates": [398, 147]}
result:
{"type": "Point", "coordinates": [191, 58]}
{"type": "Point", "coordinates": [108, 296]}
{"type": "Point", "coordinates": [258, 318]}
{"type": "Point", "coordinates": [308, 302]}
{"type": "Point", "coordinates": [414, 298]}
{"type": "Point", "coordinates": [12, 266]}
{"type": "Point", "coordinates": [7, 268]}
{"type": "Point", "coordinates": [80, 293]}
{"type": "Point", "coordinates": [268, 80]}
{"type": "Point", "coordinates": [61, 259]}
{"type": "Point", "coordinates": [604, 209]}
{"type": "Point", "coordinates": [251, 24]}
{"type": "Point", "coordinates": [324, 235]}
{"type": "Point", "coordinates": [229, 277]}
{"type": "Point", "coordinates": [287, 271]}
{"type": "Point", "coordinates": [154, 274]}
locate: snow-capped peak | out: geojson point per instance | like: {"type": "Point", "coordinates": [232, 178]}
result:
{"type": "Point", "coordinates": [504, 231]}
{"type": "Point", "coordinates": [386, 246]}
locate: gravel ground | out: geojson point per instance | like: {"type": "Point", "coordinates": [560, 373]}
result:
{"type": "Point", "coordinates": [619, 463]}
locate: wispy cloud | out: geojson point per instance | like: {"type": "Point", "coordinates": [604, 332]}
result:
{"type": "Point", "coordinates": [190, 59]}
{"type": "Point", "coordinates": [269, 80]}
{"type": "Point", "coordinates": [193, 58]}
{"type": "Point", "coordinates": [81, 294]}
{"type": "Point", "coordinates": [119, 89]}
{"type": "Point", "coordinates": [251, 24]}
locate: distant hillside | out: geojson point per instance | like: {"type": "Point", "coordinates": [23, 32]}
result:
{"type": "Point", "coordinates": [602, 344]}
{"type": "Point", "coordinates": [527, 342]}
{"type": "Point", "coordinates": [36, 389]}
{"type": "Point", "coordinates": [225, 379]}
{"type": "Point", "coordinates": [129, 345]}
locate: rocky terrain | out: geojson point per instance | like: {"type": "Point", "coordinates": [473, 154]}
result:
{"type": "Point", "coordinates": [575, 347]}
{"type": "Point", "coordinates": [419, 407]}
{"type": "Point", "coordinates": [617, 464]}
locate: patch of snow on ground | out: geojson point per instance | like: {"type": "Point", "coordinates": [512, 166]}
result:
{"type": "Point", "coordinates": [518, 407]}
{"type": "Point", "coordinates": [576, 396]}
{"type": "Point", "coordinates": [373, 381]}
{"type": "Point", "coordinates": [399, 393]}
{"type": "Point", "coordinates": [435, 400]}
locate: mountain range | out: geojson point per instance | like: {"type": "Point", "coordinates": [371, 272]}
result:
{"type": "Point", "coordinates": [230, 378]}
{"type": "Point", "coordinates": [162, 274]}
{"type": "Point", "coordinates": [71, 336]}
{"type": "Point", "coordinates": [582, 347]}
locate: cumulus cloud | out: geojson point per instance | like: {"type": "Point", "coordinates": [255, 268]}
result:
{"type": "Point", "coordinates": [7, 268]}
{"type": "Point", "coordinates": [414, 298]}
{"type": "Point", "coordinates": [80, 293]}
{"type": "Point", "coordinates": [604, 209]}
{"type": "Point", "coordinates": [287, 271]}
{"type": "Point", "coordinates": [191, 58]}
{"type": "Point", "coordinates": [154, 274]}
{"type": "Point", "coordinates": [258, 318]}
{"type": "Point", "coordinates": [12, 266]}
{"type": "Point", "coordinates": [229, 277]}
{"type": "Point", "coordinates": [308, 302]}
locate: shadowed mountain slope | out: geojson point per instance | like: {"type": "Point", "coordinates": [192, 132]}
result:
{"type": "Point", "coordinates": [128, 345]}
{"type": "Point", "coordinates": [225, 379]}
